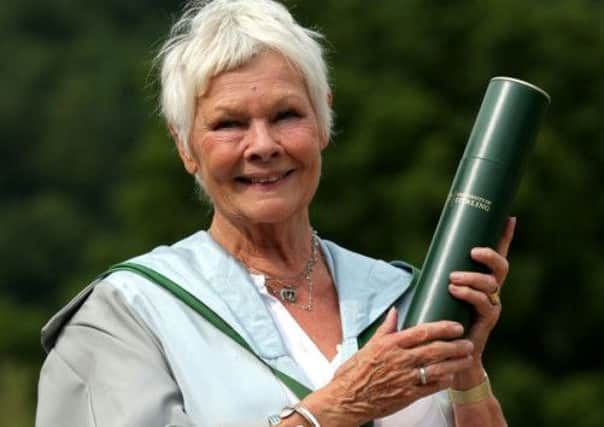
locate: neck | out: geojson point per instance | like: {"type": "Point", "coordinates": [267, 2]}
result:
{"type": "Point", "coordinates": [279, 249]}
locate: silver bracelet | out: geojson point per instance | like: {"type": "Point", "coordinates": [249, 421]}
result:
{"type": "Point", "coordinates": [307, 415]}
{"type": "Point", "coordinates": [288, 411]}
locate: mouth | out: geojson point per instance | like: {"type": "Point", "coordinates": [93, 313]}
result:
{"type": "Point", "coordinates": [264, 180]}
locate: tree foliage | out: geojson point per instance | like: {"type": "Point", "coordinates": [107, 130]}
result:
{"type": "Point", "coordinates": [90, 176]}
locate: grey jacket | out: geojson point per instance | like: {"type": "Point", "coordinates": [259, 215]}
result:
{"type": "Point", "coordinates": [124, 352]}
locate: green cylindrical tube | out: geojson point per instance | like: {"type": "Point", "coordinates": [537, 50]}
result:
{"type": "Point", "coordinates": [479, 200]}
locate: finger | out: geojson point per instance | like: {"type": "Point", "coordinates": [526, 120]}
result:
{"type": "Point", "coordinates": [496, 262]}
{"type": "Point", "coordinates": [439, 372]}
{"type": "Point", "coordinates": [389, 324]}
{"type": "Point", "coordinates": [428, 332]}
{"type": "Point", "coordinates": [478, 299]}
{"type": "Point", "coordinates": [507, 236]}
{"type": "Point", "coordinates": [479, 281]}
{"type": "Point", "coordinates": [438, 351]}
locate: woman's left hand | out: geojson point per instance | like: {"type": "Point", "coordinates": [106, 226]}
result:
{"type": "Point", "coordinates": [481, 290]}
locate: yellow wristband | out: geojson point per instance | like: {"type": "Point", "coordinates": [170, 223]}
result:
{"type": "Point", "coordinates": [475, 394]}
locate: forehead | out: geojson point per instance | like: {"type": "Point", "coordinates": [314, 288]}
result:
{"type": "Point", "coordinates": [266, 72]}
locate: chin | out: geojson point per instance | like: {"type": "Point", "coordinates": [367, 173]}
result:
{"type": "Point", "coordinates": [272, 212]}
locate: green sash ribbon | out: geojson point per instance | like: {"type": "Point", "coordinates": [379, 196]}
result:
{"type": "Point", "coordinates": [300, 390]}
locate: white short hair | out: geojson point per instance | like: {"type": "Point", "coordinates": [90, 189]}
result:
{"type": "Point", "coordinates": [214, 36]}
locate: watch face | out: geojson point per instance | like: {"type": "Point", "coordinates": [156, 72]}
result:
{"type": "Point", "coordinates": [286, 412]}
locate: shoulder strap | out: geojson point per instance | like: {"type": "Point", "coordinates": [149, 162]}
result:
{"type": "Point", "coordinates": [207, 313]}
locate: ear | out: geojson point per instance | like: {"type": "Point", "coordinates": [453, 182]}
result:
{"type": "Point", "coordinates": [187, 160]}
{"type": "Point", "coordinates": [325, 141]}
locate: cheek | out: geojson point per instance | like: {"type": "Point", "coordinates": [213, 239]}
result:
{"type": "Point", "coordinates": [219, 161]}
{"type": "Point", "coordinates": [302, 142]}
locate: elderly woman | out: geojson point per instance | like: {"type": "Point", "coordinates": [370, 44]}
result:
{"type": "Point", "coordinates": [258, 321]}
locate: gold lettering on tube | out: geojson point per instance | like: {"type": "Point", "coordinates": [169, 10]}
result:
{"type": "Point", "coordinates": [470, 200]}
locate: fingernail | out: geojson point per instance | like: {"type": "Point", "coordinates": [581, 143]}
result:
{"type": "Point", "coordinates": [476, 251]}
{"type": "Point", "coordinates": [458, 327]}
{"type": "Point", "coordinates": [455, 276]}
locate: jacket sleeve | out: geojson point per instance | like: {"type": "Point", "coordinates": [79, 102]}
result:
{"type": "Point", "coordinates": [107, 370]}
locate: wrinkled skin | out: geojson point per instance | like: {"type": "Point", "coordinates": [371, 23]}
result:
{"type": "Point", "coordinates": [382, 378]}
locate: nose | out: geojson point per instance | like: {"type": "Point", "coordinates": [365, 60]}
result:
{"type": "Point", "coordinates": [262, 143]}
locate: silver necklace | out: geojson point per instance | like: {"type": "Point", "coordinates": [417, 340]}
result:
{"type": "Point", "coordinates": [286, 288]}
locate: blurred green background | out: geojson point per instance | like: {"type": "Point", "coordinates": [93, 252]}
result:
{"type": "Point", "coordinates": [90, 177]}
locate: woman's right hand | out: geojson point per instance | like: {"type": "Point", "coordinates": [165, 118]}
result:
{"type": "Point", "coordinates": [383, 377]}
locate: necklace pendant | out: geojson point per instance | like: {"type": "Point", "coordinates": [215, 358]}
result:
{"type": "Point", "coordinates": [288, 294]}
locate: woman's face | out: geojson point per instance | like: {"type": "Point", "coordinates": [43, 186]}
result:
{"type": "Point", "coordinates": [255, 142]}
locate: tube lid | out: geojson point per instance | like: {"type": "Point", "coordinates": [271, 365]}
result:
{"type": "Point", "coordinates": [507, 123]}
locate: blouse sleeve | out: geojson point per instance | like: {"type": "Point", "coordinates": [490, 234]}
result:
{"type": "Point", "coordinates": [108, 370]}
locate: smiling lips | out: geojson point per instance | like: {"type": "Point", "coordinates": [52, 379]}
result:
{"type": "Point", "coordinates": [265, 179]}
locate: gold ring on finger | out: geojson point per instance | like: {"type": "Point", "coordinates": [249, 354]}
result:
{"type": "Point", "coordinates": [494, 298]}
